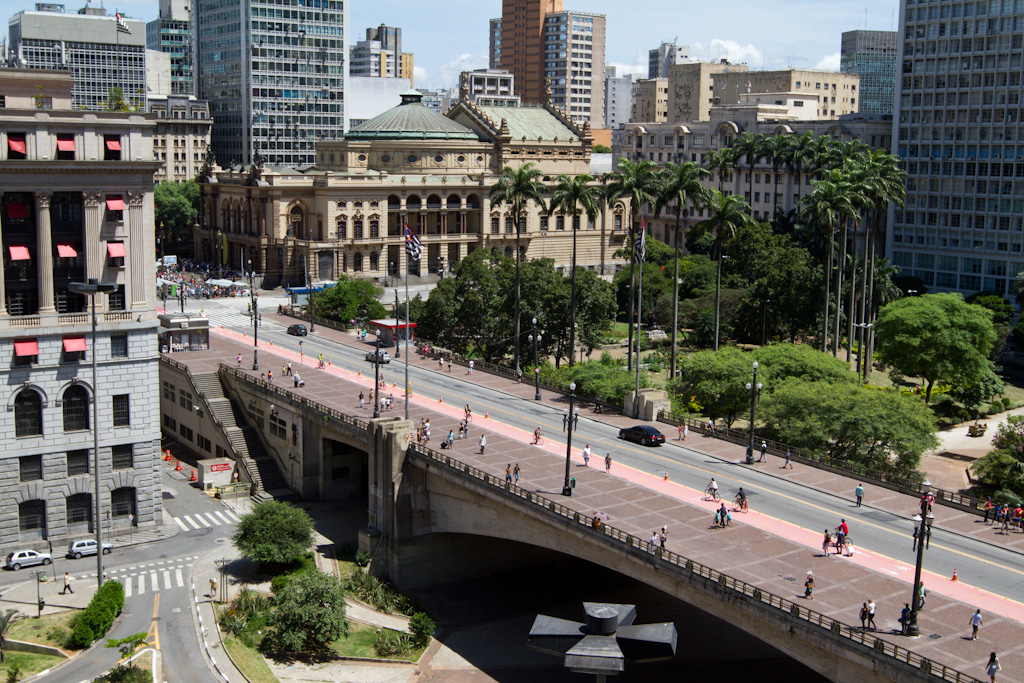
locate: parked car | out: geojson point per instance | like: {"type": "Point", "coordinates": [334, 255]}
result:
{"type": "Point", "coordinates": [298, 330]}
{"type": "Point", "coordinates": [643, 435]}
{"type": "Point", "coordinates": [385, 357]}
{"type": "Point", "coordinates": [27, 558]}
{"type": "Point", "coordinates": [86, 547]}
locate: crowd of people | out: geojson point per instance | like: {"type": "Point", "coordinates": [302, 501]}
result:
{"type": "Point", "coordinates": [193, 279]}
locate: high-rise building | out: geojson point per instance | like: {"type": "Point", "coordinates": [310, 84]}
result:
{"type": "Point", "coordinates": [574, 64]}
{"type": "Point", "coordinates": [522, 42]}
{"type": "Point", "coordinates": [872, 56]}
{"type": "Point", "coordinates": [380, 55]}
{"type": "Point", "coordinates": [956, 128]}
{"type": "Point", "coordinates": [494, 51]}
{"type": "Point", "coordinates": [274, 75]}
{"type": "Point", "coordinates": [408, 66]}
{"type": "Point", "coordinates": [77, 204]}
{"type": "Point", "coordinates": [650, 100]}
{"type": "Point", "coordinates": [837, 93]}
{"type": "Point", "coordinates": [664, 56]}
{"type": "Point", "coordinates": [618, 97]}
{"type": "Point", "coordinates": [100, 52]}
{"type": "Point", "coordinates": [691, 88]}
{"type": "Point", "coordinates": [172, 34]}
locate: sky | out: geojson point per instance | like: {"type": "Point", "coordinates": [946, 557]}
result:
{"type": "Point", "coordinates": [450, 36]}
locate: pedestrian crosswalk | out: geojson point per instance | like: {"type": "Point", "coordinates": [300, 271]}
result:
{"type": "Point", "coordinates": [150, 577]}
{"type": "Point", "coordinates": [205, 520]}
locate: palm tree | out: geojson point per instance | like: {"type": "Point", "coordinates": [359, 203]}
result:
{"type": "Point", "coordinates": [681, 185]}
{"type": "Point", "coordinates": [720, 161]}
{"type": "Point", "coordinates": [776, 148]}
{"type": "Point", "coordinates": [751, 146]}
{"type": "Point", "coordinates": [7, 619]}
{"type": "Point", "coordinates": [828, 205]}
{"type": "Point", "coordinates": [517, 187]}
{"type": "Point", "coordinates": [575, 195]}
{"type": "Point", "coordinates": [639, 182]}
{"type": "Point", "coordinates": [798, 157]}
{"type": "Point", "coordinates": [727, 213]}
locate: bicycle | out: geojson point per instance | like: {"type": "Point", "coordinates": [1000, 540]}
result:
{"type": "Point", "coordinates": [740, 505]}
{"type": "Point", "coordinates": [538, 441]}
{"type": "Point", "coordinates": [711, 494]}
{"type": "Point", "coordinates": [834, 542]}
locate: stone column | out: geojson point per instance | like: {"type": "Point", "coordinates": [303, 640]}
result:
{"type": "Point", "coordinates": [137, 254]}
{"type": "Point", "coordinates": [3, 296]}
{"type": "Point", "coordinates": [44, 249]}
{"type": "Point", "coordinates": [403, 256]}
{"type": "Point", "coordinates": [93, 209]}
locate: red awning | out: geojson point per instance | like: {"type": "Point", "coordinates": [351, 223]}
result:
{"type": "Point", "coordinates": [17, 210]}
{"type": "Point", "coordinates": [16, 143]}
{"type": "Point", "coordinates": [66, 251]}
{"type": "Point", "coordinates": [115, 204]}
{"type": "Point", "coordinates": [29, 347]}
{"type": "Point", "coordinates": [73, 344]}
{"type": "Point", "coordinates": [114, 145]}
{"type": "Point", "coordinates": [65, 144]}
{"type": "Point", "coordinates": [19, 253]}
{"type": "Point", "coordinates": [115, 249]}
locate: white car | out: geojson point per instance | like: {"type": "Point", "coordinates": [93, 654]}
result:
{"type": "Point", "coordinates": [385, 357]}
{"type": "Point", "coordinates": [26, 558]}
{"type": "Point", "coordinates": [86, 547]}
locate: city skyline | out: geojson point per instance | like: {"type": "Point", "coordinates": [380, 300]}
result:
{"type": "Point", "coordinates": [807, 34]}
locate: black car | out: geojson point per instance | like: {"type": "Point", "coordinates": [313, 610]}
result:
{"type": "Point", "coordinates": [298, 330]}
{"type": "Point", "coordinates": [643, 435]}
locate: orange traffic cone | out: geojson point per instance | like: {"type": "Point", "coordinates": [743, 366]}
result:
{"type": "Point", "coordinates": [328, 363]}
{"type": "Point", "coordinates": [440, 399]}
{"type": "Point", "coordinates": [360, 373]}
{"type": "Point", "coordinates": [666, 475]}
{"type": "Point", "coordinates": [177, 466]}
{"type": "Point", "coordinates": [485, 414]}
{"type": "Point", "coordinates": [193, 478]}
{"type": "Point", "coordinates": [167, 454]}
{"type": "Point", "coordinates": [394, 385]}
{"type": "Point", "coordinates": [954, 575]}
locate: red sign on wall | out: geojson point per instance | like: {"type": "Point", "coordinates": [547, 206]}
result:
{"type": "Point", "coordinates": [224, 467]}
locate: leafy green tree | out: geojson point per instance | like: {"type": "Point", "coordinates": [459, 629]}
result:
{"type": "Point", "coordinates": [800, 361]}
{"type": "Point", "coordinates": [696, 276]}
{"type": "Point", "coordinates": [115, 99]}
{"type": "Point", "coordinates": [422, 628]}
{"type": "Point", "coordinates": [728, 213]}
{"type": "Point", "coordinates": [517, 187]}
{"type": "Point", "coordinates": [7, 620]}
{"type": "Point", "coordinates": [777, 149]}
{"type": "Point", "coordinates": [1002, 310]}
{"type": "Point", "coordinates": [878, 428]}
{"type": "Point", "coordinates": [718, 380]}
{"type": "Point", "coordinates": [1003, 467]}
{"type": "Point", "coordinates": [309, 614]}
{"type": "Point", "coordinates": [751, 147]}
{"type": "Point", "coordinates": [176, 209]}
{"type": "Point", "coordinates": [274, 532]}
{"type": "Point", "coordinates": [936, 337]}
{"type": "Point", "coordinates": [606, 378]}
{"type": "Point", "coordinates": [350, 299]}
{"type": "Point", "coordinates": [128, 645]}
{"type": "Point", "coordinates": [974, 394]}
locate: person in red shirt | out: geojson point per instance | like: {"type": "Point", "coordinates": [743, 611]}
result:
{"type": "Point", "coordinates": [843, 527]}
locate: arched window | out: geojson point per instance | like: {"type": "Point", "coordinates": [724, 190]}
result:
{"type": "Point", "coordinates": [296, 223]}
{"type": "Point", "coordinates": [28, 413]}
{"type": "Point", "coordinates": [32, 520]}
{"type": "Point", "coordinates": [374, 261]}
{"type": "Point", "coordinates": [357, 263]}
{"type": "Point", "coordinates": [76, 408]}
{"type": "Point", "coordinates": [508, 252]}
{"type": "Point", "coordinates": [495, 225]}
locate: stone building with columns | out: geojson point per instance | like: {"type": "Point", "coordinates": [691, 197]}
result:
{"type": "Point", "coordinates": [76, 202]}
{"type": "Point", "coordinates": [346, 215]}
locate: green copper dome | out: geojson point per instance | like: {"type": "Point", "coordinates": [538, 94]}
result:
{"type": "Point", "coordinates": [411, 120]}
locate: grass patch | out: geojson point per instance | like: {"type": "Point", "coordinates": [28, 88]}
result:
{"type": "Point", "coordinates": [50, 629]}
{"type": "Point", "coordinates": [249, 661]}
{"type": "Point", "coordinates": [360, 642]}
{"type": "Point", "coordinates": [28, 664]}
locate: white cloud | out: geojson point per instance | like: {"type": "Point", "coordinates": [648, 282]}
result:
{"type": "Point", "coordinates": [638, 66]}
{"type": "Point", "coordinates": [828, 62]}
{"type": "Point", "coordinates": [447, 75]}
{"type": "Point", "coordinates": [419, 74]}
{"type": "Point", "coordinates": [718, 49]}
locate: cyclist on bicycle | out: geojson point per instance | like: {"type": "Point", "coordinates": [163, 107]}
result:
{"type": "Point", "coordinates": [741, 499]}
{"type": "Point", "coordinates": [537, 434]}
{"type": "Point", "coordinates": [842, 531]}
{"type": "Point", "coordinates": [712, 486]}
{"type": "Point", "coordinates": [469, 412]}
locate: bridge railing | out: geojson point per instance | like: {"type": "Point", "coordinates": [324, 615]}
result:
{"type": "Point", "coordinates": [689, 568]}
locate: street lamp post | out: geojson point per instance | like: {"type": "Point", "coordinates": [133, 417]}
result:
{"type": "Point", "coordinates": [922, 538]}
{"type": "Point", "coordinates": [566, 486]}
{"type": "Point", "coordinates": [300, 353]}
{"type": "Point", "coordinates": [309, 297]}
{"type": "Point", "coordinates": [535, 339]}
{"type": "Point", "coordinates": [754, 389]}
{"type": "Point", "coordinates": [376, 376]}
{"type": "Point", "coordinates": [255, 318]}
{"type": "Point", "coordinates": [91, 289]}
{"type": "Point", "coordinates": [181, 297]}
{"type": "Point", "coordinates": [398, 323]}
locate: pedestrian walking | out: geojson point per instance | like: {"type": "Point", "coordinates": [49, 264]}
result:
{"type": "Point", "coordinates": [597, 405]}
{"type": "Point", "coordinates": [654, 541]}
{"type": "Point", "coordinates": [483, 443]}
{"type": "Point", "coordinates": [809, 586]}
{"type": "Point", "coordinates": [992, 668]}
{"type": "Point", "coordinates": [586, 455]}
{"type": "Point", "coordinates": [362, 398]}
{"type": "Point", "coordinates": [975, 622]}
{"type": "Point", "coordinates": [440, 364]}
{"type": "Point", "coordinates": [663, 536]}
{"type": "Point", "coordinates": [686, 431]}
{"type": "Point", "coordinates": [67, 584]}
{"type": "Point", "coordinates": [864, 615]}
{"type": "Point", "coordinates": [680, 430]}
{"type": "Point", "coordinates": [270, 375]}
{"type": "Point", "coordinates": [922, 595]}
{"type": "Point", "coordinates": [988, 508]}
{"type": "Point", "coordinates": [213, 588]}
{"type": "Point", "coordinates": [825, 543]}
{"type": "Point", "coordinates": [789, 460]}
{"type": "Point", "coordinates": [904, 619]}
{"type": "Point", "coordinates": [289, 367]}
{"type": "Point", "coordinates": [462, 430]}
{"type": "Point", "coordinates": [859, 492]}
{"type": "Point", "coordinates": [508, 473]}
{"type": "Point", "coordinates": [239, 360]}
{"type": "Point", "coordinates": [871, 614]}
{"type": "Point", "coordinates": [515, 474]}
{"type": "Point", "coordinates": [449, 363]}
{"type": "Point", "coordinates": [764, 452]}
{"type": "Point", "coordinates": [608, 463]}
{"type": "Point", "coordinates": [451, 438]}
{"type": "Point", "coordinates": [470, 370]}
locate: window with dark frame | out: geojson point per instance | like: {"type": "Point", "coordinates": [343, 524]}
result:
{"type": "Point", "coordinates": [115, 300]}
{"type": "Point", "coordinates": [119, 346]}
{"type": "Point", "coordinates": [122, 410]}
{"type": "Point", "coordinates": [30, 467]}
{"type": "Point", "coordinates": [79, 508]}
{"type": "Point", "coordinates": [121, 457]}
{"type": "Point", "coordinates": [78, 462]}
{"type": "Point", "coordinates": [28, 413]}
{"type": "Point", "coordinates": [32, 518]}
{"type": "Point", "coordinates": [75, 405]}
{"type": "Point", "coordinates": [122, 502]}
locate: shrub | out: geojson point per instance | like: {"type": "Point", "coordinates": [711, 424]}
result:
{"type": "Point", "coordinates": [1007, 403]}
{"type": "Point", "coordinates": [96, 619]}
{"type": "Point", "coordinates": [994, 407]}
{"type": "Point", "coordinates": [274, 532]}
{"type": "Point", "coordinates": [390, 643]}
{"type": "Point", "coordinates": [14, 673]}
{"type": "Point", "coordinates": [279, 583]}
{"type": "Point", "coordinates": [422, 627]}
{"type": "Point", "coordinates": [362, 558]}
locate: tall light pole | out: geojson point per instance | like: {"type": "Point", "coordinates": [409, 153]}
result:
{"type": "Point", "coordinates": [754, 389]}
{"type": "Point", "coordinates": [922, 536]}
{"type": "Point", "coordinates": [309, 293]}
{"type": "Point", "coordinates": [376, 376]}
{"type": "Point", "coordinates": [255, 318]}
{"type": "Point", "coordinates": [91, 289]}
{"type": "Point", "coordinates": [535, 338]}
{"type": "Point", "coordinates": [567, 486]}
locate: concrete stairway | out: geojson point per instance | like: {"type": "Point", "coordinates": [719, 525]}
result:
{"type": "Point", "coordinates": [245, 441]}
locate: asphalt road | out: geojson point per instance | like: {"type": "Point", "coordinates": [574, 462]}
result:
{"type": "Point", "coordinates": [989, 566]}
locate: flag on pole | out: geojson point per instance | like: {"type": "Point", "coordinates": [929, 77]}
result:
{"type": "Point", "coordinates": [122, 25]}
{"type": "Point", "coordinates": [413, 246]}
{"type": "Point", "coordinates": [641, 245]}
